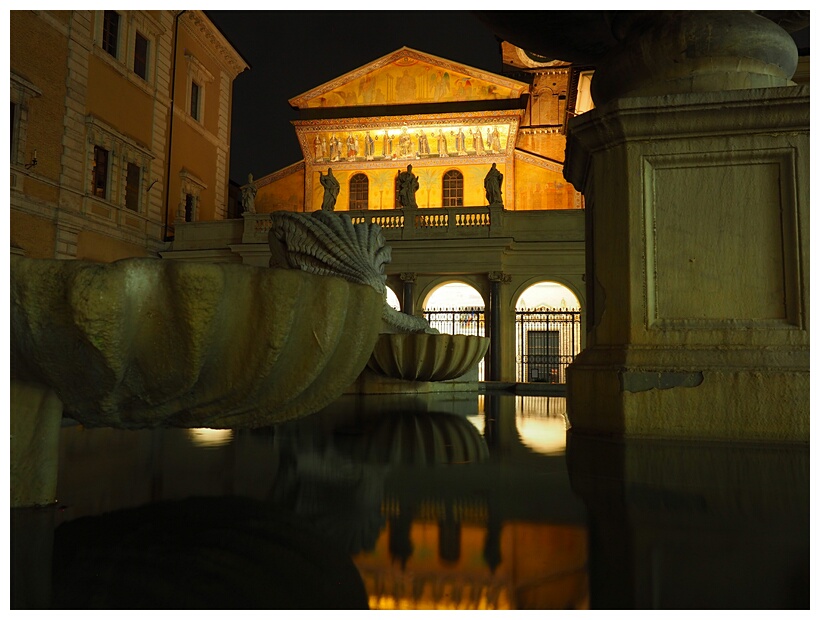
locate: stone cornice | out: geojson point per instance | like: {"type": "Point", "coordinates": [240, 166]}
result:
{"type": "Point", "coordinates": [535, 160]}
{"type": "Point", "coordinates": [405, 52]}
{"type": "Point", "coordinates": [280, 174]}
{"type": "Point", "coordinates": [666, 117]}
{"type": "Point", "coordinates": [200, 26]}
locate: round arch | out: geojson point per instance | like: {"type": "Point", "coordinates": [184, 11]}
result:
{"type": "Point", "coordinates": [455, 306]}
{"type": "Point", "coordinates": [392, 298]}
{"type": "Point", "coordinates": [439, 283]}
{"type": "Point", "coordinates": [548, 330]}
{"type": "Point", "coordinates": [572, 294]}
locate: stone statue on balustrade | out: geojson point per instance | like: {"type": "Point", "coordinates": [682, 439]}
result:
{"type": "Point", "coordinates": [249, 196]}
{"type": "Point", "coordinates": [492, 186]}
{"type": "Point", "coordinates": [408, 185]}
{"type": "Point", "coordinates": [332, 188]}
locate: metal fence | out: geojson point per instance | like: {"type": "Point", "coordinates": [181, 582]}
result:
{"type": "Point", "coordinates": [467, 321]}
{"type": "Point", "coordinates": [546, 343]}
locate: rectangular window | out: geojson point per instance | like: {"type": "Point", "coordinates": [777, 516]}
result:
{"type": "Point", "coordinates": [189, 207]}
{"type": "Point", "coordinates": [132, 187]}
{"type": "Point", "coordinates": [99, 174]}
{"type": "Point", "coordinates": [195, 94]}
{"type": "Point", "coordinates": [141, 56]}
{"type": "Point", "coordinates": [111, 32]}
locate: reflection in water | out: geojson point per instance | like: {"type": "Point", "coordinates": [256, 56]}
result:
{"type": "Point", "coordinates": [541, 422]}
{"type": "Point", "coordinates": [437, 512]}
{"type": "Point", "coordinates": [200, 553]}
{"type": "Point", "coordinates": [210, 437]}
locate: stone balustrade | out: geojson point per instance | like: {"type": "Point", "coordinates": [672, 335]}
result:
{"type": "Point", "coordinates": [401, 224]}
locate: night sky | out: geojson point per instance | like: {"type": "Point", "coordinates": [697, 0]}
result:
{"type": "Point", "coordinates": [291, 52]}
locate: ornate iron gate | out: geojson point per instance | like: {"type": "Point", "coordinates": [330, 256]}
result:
{"type": "Point", "coordinates": [546, 343]}
{"type": "Point", "coordinates": [467, 321]}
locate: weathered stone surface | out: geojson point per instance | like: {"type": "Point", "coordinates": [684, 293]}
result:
{"type": "Point", "coordinates": [35, 433]}
{"type": "Point", "coordinates": [427, 357]}
{"type": "Point", "coordinates": [698, 315]}
{"type": "Point", "coordinates": [145, 342]}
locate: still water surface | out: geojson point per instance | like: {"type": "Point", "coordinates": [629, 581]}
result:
{"type": "Point", "coordinates": [470, 502]}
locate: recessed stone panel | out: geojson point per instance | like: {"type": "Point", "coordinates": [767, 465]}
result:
{"type": "Point", "coordinates": [720, 239]}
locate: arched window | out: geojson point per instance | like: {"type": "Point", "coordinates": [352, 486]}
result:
{"type": "Point", "coordinates": [452, 189]}
{"type": "Point", "coordinates": [358, 192]}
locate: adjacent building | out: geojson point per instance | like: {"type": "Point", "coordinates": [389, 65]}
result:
{"type": "Point", "coordinates": [120, 129]}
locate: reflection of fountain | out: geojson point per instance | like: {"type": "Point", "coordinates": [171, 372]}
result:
{"type": "Point", "coordinates": [336, 480]}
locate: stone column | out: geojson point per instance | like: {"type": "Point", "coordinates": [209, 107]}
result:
{"type": "Point", "coordinates": [409, 293]}
{"type": "Point", "coordinates": [696, 177]}
{"type": "Point", "coordinates": [496, 278]}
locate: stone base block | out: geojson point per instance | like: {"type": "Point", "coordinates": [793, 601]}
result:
{"type": "Point", "coordinates": [733, 404]}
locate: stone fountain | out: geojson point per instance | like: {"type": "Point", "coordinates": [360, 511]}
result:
{"type": "Point", "coordinates": [141, 343]}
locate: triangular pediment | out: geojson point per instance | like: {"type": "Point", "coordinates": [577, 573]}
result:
{"type": "Point", "coordinates": [408, 76]}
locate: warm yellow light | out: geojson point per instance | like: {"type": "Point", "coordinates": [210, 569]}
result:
{"type": "Point", "coordinates": [543, 435]}
{"type": "Point", "coordinates": [210, 437]}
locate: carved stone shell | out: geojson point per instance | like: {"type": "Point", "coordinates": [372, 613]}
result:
{"type": "Point", "coordinates": [427, 357]}
{"type": "Point", "coordinates": [148, 342]}
{"type": "Point", "coordinates": [329, 244]}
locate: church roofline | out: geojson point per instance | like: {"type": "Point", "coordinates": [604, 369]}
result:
{"type": "Point", "coordinates": [301, 100]}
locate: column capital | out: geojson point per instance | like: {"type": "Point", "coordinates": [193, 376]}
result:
{"type": "Point", "coordinates": [499, 276]}
{"type": "Point", "coordinates": [408, 276]}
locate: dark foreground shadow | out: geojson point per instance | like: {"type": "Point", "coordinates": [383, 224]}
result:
{"type": "Point", "coordinates": [200, 553]}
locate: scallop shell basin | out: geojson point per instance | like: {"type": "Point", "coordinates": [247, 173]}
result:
{"type": "Point", "coordinates": [149, 342]}
{"type": "Point", "coordinates": [427, 357]}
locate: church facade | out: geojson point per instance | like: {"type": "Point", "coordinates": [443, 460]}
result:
{"type": "Point", "coordinates": [449, 125]}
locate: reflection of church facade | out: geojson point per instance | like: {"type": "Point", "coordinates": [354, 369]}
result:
{"type": "Point", "coordinates": [450, 123]}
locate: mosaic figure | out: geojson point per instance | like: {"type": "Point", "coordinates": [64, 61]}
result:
{"type": "Point", "coordinates": [406, 87]}
{"type": "Point", "coordinates": [334, 152]}
{"type": "Point", "coordinates": [424, 145]}
{"type": "Point", "coordinates": [442, 144]}
{"type": "Point", "coordinates": [351, 148]}
{"type": "Point", "coordinates": [461, 142]}
{"type": "Point", "coordinates": [405, 144]}
{"type": "Point", "coordinates": [495, 140]}
{"type": "Point", "coordinates": [387, 145]}
{"type": "Point", "coordinates": [369, 147]}
{"type": "Point", "coordinates": [478, 142]}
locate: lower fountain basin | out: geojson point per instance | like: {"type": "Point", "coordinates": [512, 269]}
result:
{"type": "Point", "coordinates": [427, 357]}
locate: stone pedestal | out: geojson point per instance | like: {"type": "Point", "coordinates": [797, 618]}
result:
{"type": "Point", "coordinates": [36, 415]}
{"type": "Point", "coordinates": [697, 265]}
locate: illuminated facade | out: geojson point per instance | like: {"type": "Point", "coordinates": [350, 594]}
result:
{"type": "Point", "coordinates": [100, 168]}
{"type": "Point", "coordinates": [451, 123]}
